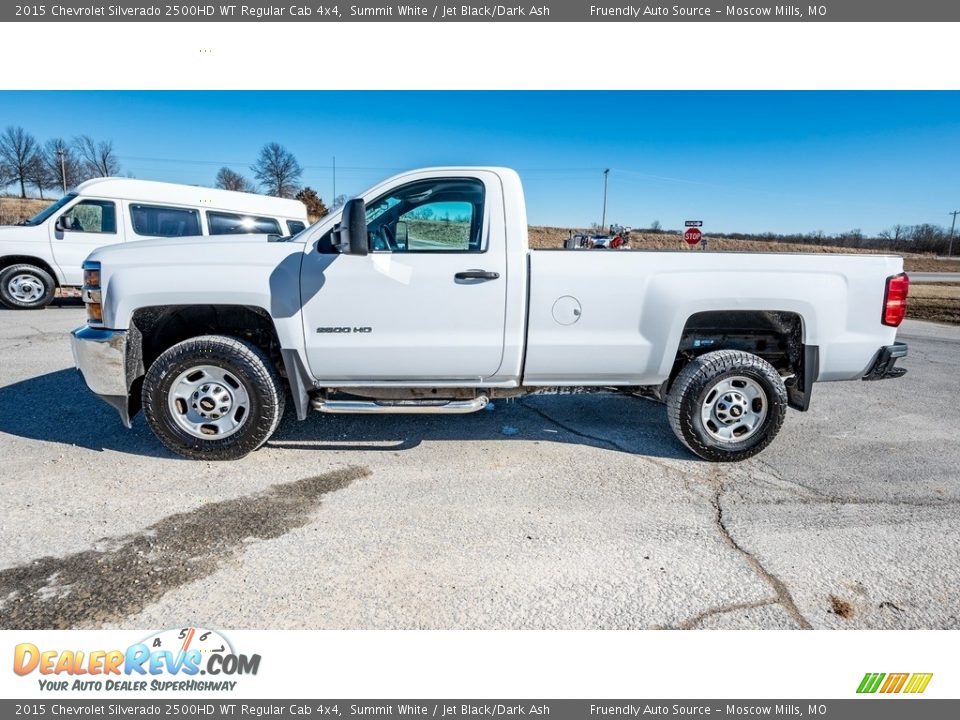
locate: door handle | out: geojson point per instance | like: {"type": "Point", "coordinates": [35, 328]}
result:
{"type": "Point", "coordinates": [476, 275]}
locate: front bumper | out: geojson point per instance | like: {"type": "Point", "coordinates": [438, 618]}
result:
{"type": "Point", "coordinates": [101, 357]}
{"type": "Point", "coordinates": [884, 365]}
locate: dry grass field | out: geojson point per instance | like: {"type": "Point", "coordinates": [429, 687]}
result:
{"type": "Point", "coordinates": [550, 237]}
{"type": "Point", "coordinates": [14, 210]}
{"type": "Point", "coordinates": [939, 302]}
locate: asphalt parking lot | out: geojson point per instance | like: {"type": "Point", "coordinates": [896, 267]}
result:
{"type": "Point", "coordinates": [550, 512]}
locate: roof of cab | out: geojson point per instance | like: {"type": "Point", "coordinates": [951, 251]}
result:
{"type": "Point", "coordinates": [150, 191]}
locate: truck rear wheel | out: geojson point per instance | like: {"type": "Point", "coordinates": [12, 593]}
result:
{"type": "Point", "coordinates": [727, 405]}
{"type": "Point", "coordinates": [26, 287]}
{"type": "Point", "coordinates": [213, 398]}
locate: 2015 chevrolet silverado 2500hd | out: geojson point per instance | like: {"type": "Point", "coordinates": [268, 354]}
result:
{"type": "Point", "coordinates": [422, 296]}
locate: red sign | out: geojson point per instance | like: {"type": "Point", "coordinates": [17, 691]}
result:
{"type": "Point", "coordinates": [692, 235]}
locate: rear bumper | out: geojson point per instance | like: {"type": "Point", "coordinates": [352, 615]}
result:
{"type": "Point", "coordinates": [101, 357]}
{"type": "Point", "coordinates": [884, 364]}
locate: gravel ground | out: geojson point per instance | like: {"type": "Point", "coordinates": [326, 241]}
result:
{"type": "Point", "coordinates": [550, 512]}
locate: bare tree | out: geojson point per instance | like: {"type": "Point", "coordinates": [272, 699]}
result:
{"type": "Point", "coordinates": [339, 201]}
{"type": "Point", "coordinates": [277, 171]}
{"type": "Point", "coordinates": [19, 156]}
{"type": "Point", "coordinates": [62, 164]}
{"type": "Point", "coordinates": [40, 176]}
{"type": "Point", "coordinates": [228, 179]}
{"type": "Point", "coordinates": [97, 159]}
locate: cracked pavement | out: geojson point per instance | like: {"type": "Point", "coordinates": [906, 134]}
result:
{"type": "Point", "coordinates": [577, 511]}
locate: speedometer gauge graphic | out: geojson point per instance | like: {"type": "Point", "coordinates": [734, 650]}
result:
{"type": "Point", "coordinates": [181, 640]}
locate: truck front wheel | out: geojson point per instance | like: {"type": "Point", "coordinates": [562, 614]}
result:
{"type": "Point", "coordinates": [213, 398]}
{"type": "Point", "coordinates": [727, 405]}
{"type": "Point", "coordinates": [26, 287]}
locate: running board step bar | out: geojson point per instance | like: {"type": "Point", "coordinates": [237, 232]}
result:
{"type": "Point", "coordinates": [434, 407]}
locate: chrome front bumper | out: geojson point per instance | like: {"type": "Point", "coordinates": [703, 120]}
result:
{"type": "Point", "coordinates": [101, 357]}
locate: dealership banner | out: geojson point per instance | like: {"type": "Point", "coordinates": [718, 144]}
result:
{"type": "Point", "coordinates": [549, 11]}
{"type": "Point", "coordinates": [455, 675]}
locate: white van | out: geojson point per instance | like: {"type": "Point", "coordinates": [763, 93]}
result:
{"type": "Point", "coordinates": [48, 250]}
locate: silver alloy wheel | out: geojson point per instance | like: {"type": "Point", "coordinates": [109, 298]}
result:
{"type": "Point", "coordinates": [26, 288]}
{"type": "Point", "coordinates": [208, 402]}
{"type": "Point", "coordinates": [734, 409]}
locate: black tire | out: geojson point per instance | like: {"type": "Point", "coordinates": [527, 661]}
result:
{"type": "Point", "coordinates": [244, 364]}
{"type": "Point", "coordinates": [692, 388]}
{"type": "Point", "coordinates": [10, 275]}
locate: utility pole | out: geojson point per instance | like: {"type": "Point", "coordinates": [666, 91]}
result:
{"type": "Point", "coordinates": [63, 169]}
{"type": "Point", "coordinates": [603, 220]}
{"type": "Point", "coordinates": [334, 198]}
{"type": "Point", "coordinates": [952, 226]}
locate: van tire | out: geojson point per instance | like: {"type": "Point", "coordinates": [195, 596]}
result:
{"type": "Point", "coordinates": [236, 370]}
{"type": "Point", "coordinates": [26, 287]}
{"type": "Point", "coordinates": [715, 394]}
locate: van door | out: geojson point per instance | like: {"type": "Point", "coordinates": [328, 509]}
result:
{"type": "Point", "coordinates": [428, 303]}
{"type": "Point", "coordinates": [87, 225]}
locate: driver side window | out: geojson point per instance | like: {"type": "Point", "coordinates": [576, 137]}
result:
{"type": "Point", "coordinates": [440, 215]}
{"type": "Point", "coordinates": [91, 216]}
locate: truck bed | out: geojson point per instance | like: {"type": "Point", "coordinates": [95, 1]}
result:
{"type": "Point", "coordinates": [633, 307]}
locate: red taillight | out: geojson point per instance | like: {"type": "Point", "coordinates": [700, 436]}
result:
{"type": "Point", "coordinates": [895, 299]}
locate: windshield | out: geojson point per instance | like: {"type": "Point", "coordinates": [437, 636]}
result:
{"type": "Point", "coordinates": [41, 216]}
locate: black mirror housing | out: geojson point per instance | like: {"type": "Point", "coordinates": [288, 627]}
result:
{"type": "Point", "coordinates": [351, 234]}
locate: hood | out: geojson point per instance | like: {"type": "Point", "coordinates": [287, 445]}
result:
{"type": "Point", "coordinates": [22, 232]}
{"type": "Point", "coordinates": [176, 245]}
{"type": "Point", "coordinates": [195, 240]}
{"type": "Point", "coordinates": [196, 250]}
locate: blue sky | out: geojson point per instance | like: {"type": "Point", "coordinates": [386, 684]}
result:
{"type": "Point", "coordinates": [740, 161]}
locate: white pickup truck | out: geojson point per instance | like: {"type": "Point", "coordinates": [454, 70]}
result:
{"type": "Point", "coordinates": [422, 296]}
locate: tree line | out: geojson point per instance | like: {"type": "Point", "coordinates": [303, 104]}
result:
{"type": "Point", "coordinates": [922, 238]}
{"type": "Point", "coordinates": [60, 164]}
{"type": "Point", "coordinates": [54, 164]}
{"type": "Point", "coordinates": [277, 172]}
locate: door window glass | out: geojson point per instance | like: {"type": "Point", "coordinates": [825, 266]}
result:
{"type": "Point", "coordinates": [440, 215]}
{"type": "Point", "coordinates": [92, 216]}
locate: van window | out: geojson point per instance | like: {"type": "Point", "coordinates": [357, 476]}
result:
{"type": "Point", "coordinates": [229, 224]}
{"type": "Point", "coordinates": [295, 226]}
{"type": "Point", "coordinates": [92, 216]}
{"type": "Point", "coordinates": [157, 221]}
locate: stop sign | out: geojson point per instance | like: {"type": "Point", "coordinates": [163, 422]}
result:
{"type": "Point", "coordinates": [692, 235]}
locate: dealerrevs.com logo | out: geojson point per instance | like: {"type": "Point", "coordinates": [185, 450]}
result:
{"type": "Point", "coordinates": [911, 683]}
{"type": "Point", "coordinates": [169, 660]}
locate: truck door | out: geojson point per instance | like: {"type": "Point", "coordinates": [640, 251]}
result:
{"type": "Point", "coordinates": [427, 303]}
{"type": "Point", "coordinates": [87, 225]}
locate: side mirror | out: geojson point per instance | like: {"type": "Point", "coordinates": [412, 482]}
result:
{"type": "Point", "coordinates": [350, 236]}
{"type": "Point", "coordinates": [59, 225]}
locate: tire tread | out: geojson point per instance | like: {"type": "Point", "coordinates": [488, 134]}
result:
{"type": "Point", "coordinates": [696, 374]}
{"type": "Point", "coordinates": [259, 371]}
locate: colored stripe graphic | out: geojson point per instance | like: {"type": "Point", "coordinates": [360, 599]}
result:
{"type": "Point", "coordinates": [894, 682]}
{"type": "Point", "coordinates": [918, 682]}
{"type": "Point", "coordinates": [870, 682]}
